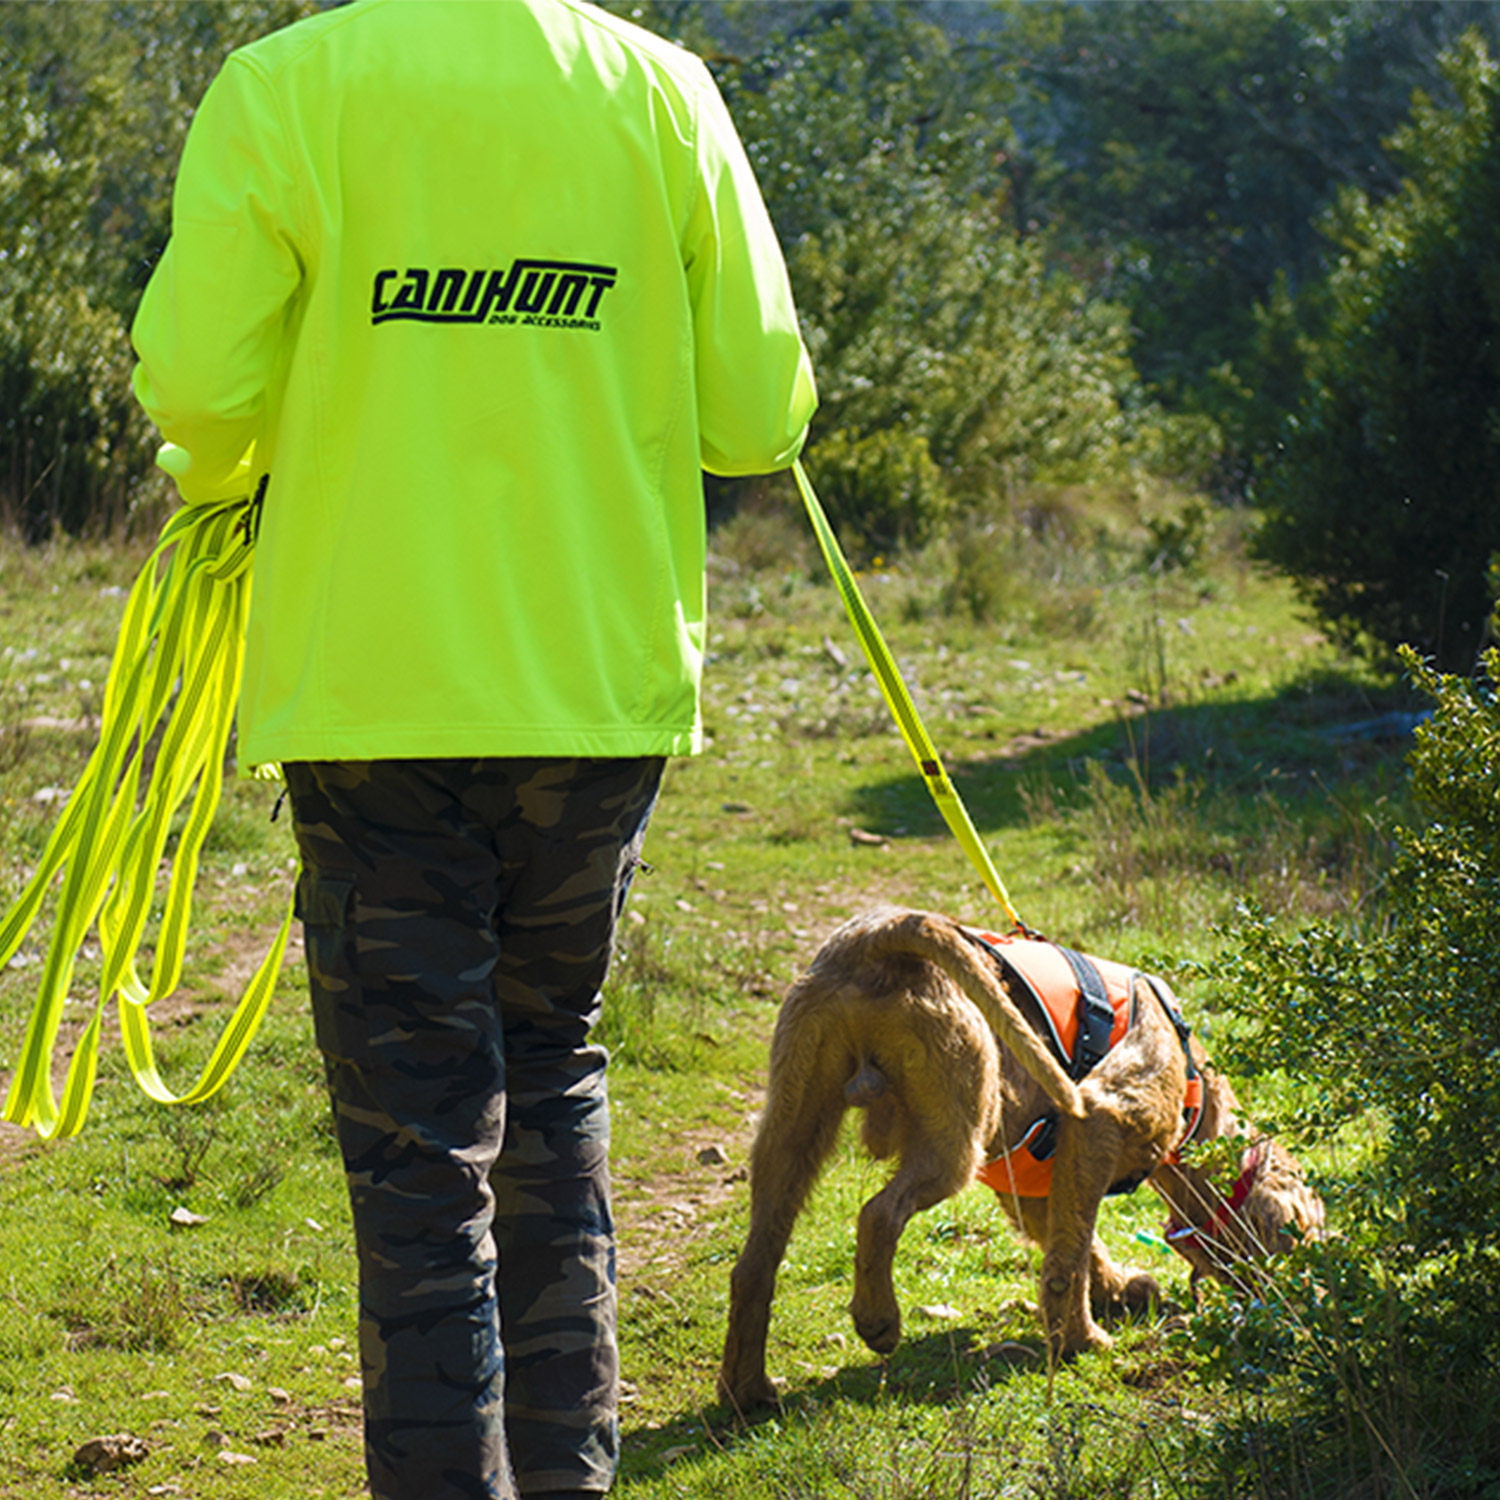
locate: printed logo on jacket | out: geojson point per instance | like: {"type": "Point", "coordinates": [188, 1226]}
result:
{"type": "Point", "coordinates": [530, 293]}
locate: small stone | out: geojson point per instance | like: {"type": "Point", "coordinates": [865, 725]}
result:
{"type": "Point", "coordinates": [185, 1218]}
{"type": "Point", "coordinates": [279, 1396]}
{"type": "Point", "coordinates": [943, 1312]}
{"type": "Point", "coordinates": [102, 1455]}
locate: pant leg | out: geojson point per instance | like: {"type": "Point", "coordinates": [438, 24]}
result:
{"type": "Point", "coordinates": [398, 895]}
{"type": "Point", "coordinates": [424, 884]}
{"type": "Point", "coordinates": [572, 850]}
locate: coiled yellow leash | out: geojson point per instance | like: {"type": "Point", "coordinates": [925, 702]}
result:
{"type": "Point", "coordinates": [176, 674]}
{"type": "Point", "coordinates": [898, 699]}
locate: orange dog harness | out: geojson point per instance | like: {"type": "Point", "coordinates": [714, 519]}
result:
{"type": "Point", "coordinates": [1088, 1005]}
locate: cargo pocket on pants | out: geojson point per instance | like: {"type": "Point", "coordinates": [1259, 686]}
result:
{"type": "Point", "coordinates": [322, 904]}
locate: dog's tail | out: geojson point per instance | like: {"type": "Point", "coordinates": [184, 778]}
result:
{"type": "Point", "coordinates": [942, 942]}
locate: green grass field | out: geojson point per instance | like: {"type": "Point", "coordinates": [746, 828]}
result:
{"type": "Point", "coordinates": [1142, 748]}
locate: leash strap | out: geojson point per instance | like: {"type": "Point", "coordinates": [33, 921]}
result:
{"type": "Point", "coordinates": [175, 678]}
{"type": "Point", "coordinates": [898, 699]}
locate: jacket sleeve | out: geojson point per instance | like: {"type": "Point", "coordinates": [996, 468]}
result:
{"type": "Point", "coordinates": [754, 379]}
{"type": "Point", "coordinates": [210, 324]}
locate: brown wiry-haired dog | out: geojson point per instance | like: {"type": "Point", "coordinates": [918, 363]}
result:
{"type": "Point", "coordinates": [905, 1014]}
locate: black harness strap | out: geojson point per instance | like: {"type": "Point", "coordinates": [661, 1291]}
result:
{"type": "Point", "coordinates": [1168, 1002]}
{"type": "Point", "coordinates": [1096, 1016]}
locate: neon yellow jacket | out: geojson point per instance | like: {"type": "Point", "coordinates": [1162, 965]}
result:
{"type": "Point", "coordinates": [481, 283]}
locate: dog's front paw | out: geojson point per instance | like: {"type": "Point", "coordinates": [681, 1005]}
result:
{"type": "Point", "coordinates": [1069, 1343]}
{"type": "Point", "coordinates": [746, 1392]}
{"type": "Point", "coordinates": [880, 1331]}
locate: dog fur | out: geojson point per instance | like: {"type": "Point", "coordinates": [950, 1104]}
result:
{"type": "Point", "coordinates": [899, 1014]}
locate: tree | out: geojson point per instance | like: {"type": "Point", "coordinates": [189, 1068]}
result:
{"type": "Point", "coordinates": [1384, 499]}
{"type": "Point", "coordinates": [1181, 153]}
{"type": "Point", "coordinates": [955, 363]}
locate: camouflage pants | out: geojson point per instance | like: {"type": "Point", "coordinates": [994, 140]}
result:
{"type": "Point", "coordinates": [459, 918]}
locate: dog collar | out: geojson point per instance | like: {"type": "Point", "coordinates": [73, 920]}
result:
{"type": "Point", "coordinates": [1213, 1228]}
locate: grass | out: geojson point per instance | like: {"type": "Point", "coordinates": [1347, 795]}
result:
{"type": "Point", "coordinates": [1141, 749]}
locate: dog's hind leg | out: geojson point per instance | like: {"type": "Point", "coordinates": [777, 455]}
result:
{"type": "Point", "coordinates": [804, 1107]}
{"type": "Point", "coordinates": [936, 1129]}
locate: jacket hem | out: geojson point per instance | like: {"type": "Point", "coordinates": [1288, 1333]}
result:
{"type": "Point", "coordinates": [467, 744]}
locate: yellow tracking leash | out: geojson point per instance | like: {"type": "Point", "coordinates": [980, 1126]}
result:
{"type": "Point", "coordinates": [175, 676]}
{"type": "Point", "coordinates": [898, 699]}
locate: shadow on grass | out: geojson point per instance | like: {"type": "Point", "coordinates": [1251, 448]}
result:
{"type": "Point", "coordinates": [1321, 733]}
{"type": "Point", "coordinates": [936, 1369]}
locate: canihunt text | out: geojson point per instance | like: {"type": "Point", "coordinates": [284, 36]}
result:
{"type": "Point", "coordinates": [550, 293]}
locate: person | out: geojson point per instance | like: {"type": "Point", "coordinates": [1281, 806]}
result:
{"type": "Point", "coordinates": [468, 294]}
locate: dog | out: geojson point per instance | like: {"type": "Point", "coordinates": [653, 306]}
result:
{"type": "Point", "coordinates": [959, 1066]}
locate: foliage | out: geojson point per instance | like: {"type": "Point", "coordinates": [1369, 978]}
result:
{"type": "Point", "coordinates": [1382, 502]}
{"type": "Point", "coordinates": [992, 215]}
{"type": "Point", "coordinates": [1400, 1023]}
{"type": "Point", "coordinates": [1342, 1374]}
{"type": "Point", "coordinates": [955, 360]}
{"type": "Point", "coordinates": [94, 105]}
{"type": "Point", "coordinates": [1182, 151]}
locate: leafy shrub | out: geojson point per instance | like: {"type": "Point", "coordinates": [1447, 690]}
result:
{"type": "Point", "coordinates": [1400, 1021]}
{"type": "Point", "coordinates": [1177, 541]}
{"type": "Point", "coordinates": [957, 361]}
{"type": "Point", "coordinates": [94, 106]}
{"type": "Point", "coordinates": [882, 491]}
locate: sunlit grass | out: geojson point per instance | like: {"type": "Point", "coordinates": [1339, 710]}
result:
{"type": "Point", "coordinates": [1137, 767]}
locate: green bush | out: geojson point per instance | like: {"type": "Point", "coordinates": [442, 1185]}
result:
{"type": "Point", "coordinates": [1376, 1354]}
{"type": "Point", "coordinates": [1397, 1021]}
{"type": "Point", "coordinates": [882, 491]}
{"type": "Point", "coordinates": [957, 360]}
{"type": "Point", "coordinates": [94, 106]}
{"type": "Point", "coordinates": [1403, 1019]}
